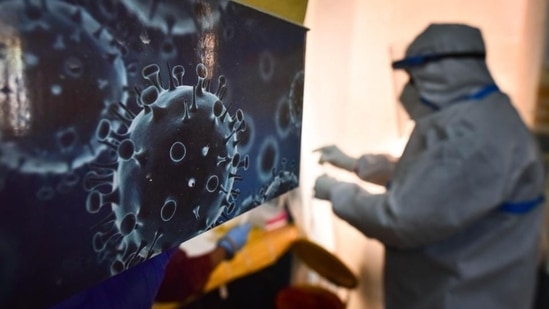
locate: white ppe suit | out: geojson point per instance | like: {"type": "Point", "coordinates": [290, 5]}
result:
{"type": "Point", "coordinates": [461, 217]}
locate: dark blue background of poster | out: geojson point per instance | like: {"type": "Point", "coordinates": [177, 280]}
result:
{"type": "Point", "coordinates": [46, 251]}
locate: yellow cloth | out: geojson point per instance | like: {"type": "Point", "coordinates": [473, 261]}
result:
{"type": "Point", "coordinates": [263, 249]}
{"type": "Point", "coordinates": [291, 10]}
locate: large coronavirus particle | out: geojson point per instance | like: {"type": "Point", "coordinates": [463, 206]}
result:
{"type": "Point", "coordinates": [59, 72]}
{"type": "Point", "coordinates": [175, 171]}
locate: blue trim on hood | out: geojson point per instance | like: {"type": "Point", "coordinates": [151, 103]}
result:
{"type": "Point", "coordinates": [415, 61]}
{"type": "Point", "coordinates": [481, 94]}
{"type": "Point", "coordinates": [519, 208]}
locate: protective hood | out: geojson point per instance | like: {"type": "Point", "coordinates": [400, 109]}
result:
{"type": "Point", "coordinates": [446, 63]}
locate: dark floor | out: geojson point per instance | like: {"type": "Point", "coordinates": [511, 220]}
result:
{"type": "Point", "coordinates": [254, 291]}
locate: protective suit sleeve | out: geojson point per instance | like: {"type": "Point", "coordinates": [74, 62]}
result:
{"type": "Point", "coordinates": [441, 190]}
{"type": "Point", "coordinates": [366, 212]}
{"type": "Point", "coordinates": [375, 168]}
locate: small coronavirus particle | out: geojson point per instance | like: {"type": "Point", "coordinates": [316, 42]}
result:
{"type": "Point", "coordinates": [281, 182]}
{"type": "Point", "coordinates": [175, 168]}
{"type": "Point", "coordinates": [296, 99]}
{"type": "Point", "coordinates": [59, 73]}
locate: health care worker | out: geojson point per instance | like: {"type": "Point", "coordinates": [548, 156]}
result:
{"type": "Point", "coordinates": [461, 216]}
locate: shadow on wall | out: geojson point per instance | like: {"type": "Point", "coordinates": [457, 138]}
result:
{"type": "Point", "coordinates": [541, 130]}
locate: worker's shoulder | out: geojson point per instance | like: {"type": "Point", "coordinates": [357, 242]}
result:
{"type": "Point", "coordinates": [494, 116]}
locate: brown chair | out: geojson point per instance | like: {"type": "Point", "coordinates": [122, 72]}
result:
{"type": "Point", "coordinates": [329, 267]}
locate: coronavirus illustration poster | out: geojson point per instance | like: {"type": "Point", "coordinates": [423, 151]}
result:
{"type": "Point", "coordinates": [128, 127]}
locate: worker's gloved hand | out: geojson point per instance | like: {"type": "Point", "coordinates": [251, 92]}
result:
{"type": "Point", "coordinates": [235, 239]}
{"type": "Point", "coordinates": [333, 155]}
{"type": "Point", "coordinates": [323, 185]}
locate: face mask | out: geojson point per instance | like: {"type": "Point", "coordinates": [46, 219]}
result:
{"type": "Point", "coordinates": [410, 100]}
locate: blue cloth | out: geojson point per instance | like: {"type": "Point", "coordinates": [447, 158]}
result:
{"type": "Point", "coordinates": [134, 288]}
